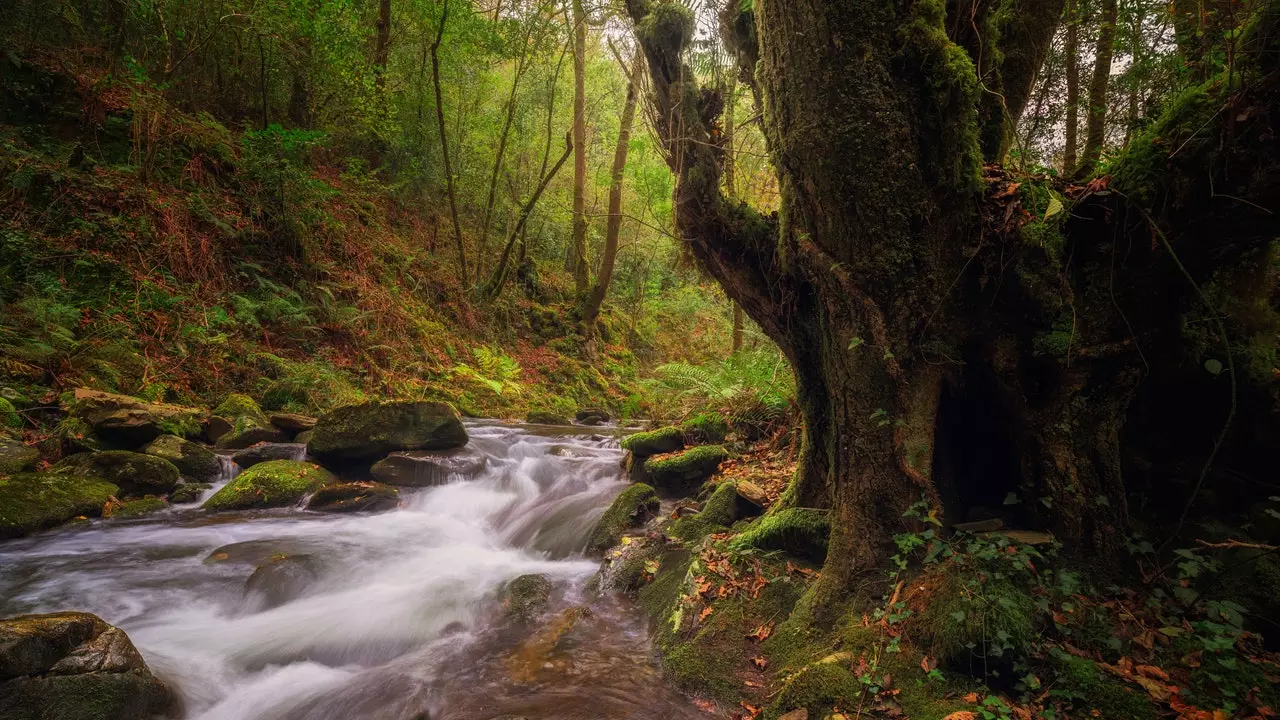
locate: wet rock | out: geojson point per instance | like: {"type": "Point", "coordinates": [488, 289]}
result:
{"type": "Point", "coordinates": [255, 552]}
{"type": "Point", "coordinates": [279, 580]}
{"type": "Point", "coordinates": [265, 452]}
{"type": "Point", "coordinates": [354, 497]}
{"type": "Point", "coordinates": [545, 417]}
{"type": "Point", "coordinates": [74, 666]}
{"type": "Point", "coordinates": [188, 492]}
{"type": "Point", "coordinates": [34, 501]}
{"type": "Point", "coordinates": [427, 469]}
{"type": "Point", "coordinates": [249, 426]}
{"type": "Point", "coordinates": [15, 457]}
{"type": "Point", "coordinates": [276, 483]}
{"type": "Point", "coordinates": [216, 427]}
{"type": "Point", "coordinates": [135, 508]}
{"type": "Point", "coordinates": [195, 462]}
{"type": "Point", "coordinates": [566, 451]}
{"type": "Point", "coordinates": [632, 508]}
{"type": "Point", "coordinates": [129, 421]}
{"type": "Point", "coordinates": [654, 442]}
{"type": "Point", "coordinates": [592, 416]}
{"type": "Point", "coordinates": [304, 437]}
{"type": "Point", "coordinates": [373, 429]}
{"type": "Point", "coordinates": [681, 473]}
{"type": "Point", "coordinates": [752, 499]}
{"type": "Point", "coordinates": [292, 422]}
{"type": "Point", "coordinates": [525, 597]}
{"type": "Point", "coordinates": [135, 474]}
{"type": "Point", "coordinates": [544, 650]}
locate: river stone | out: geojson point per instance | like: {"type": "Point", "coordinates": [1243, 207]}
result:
{"type": "Point", "coordinates": [263, 452]}
{"type": "Point", "coordinates": [426, 469]}
{"type": "Point", "coordinates": [74, 666]}
{"type": "Point", "coordinates": [546, 417]}
{"type": "Point", "coordinates": [129, 421]}
{"type": "Point", "coordinates": [304, 437]}
{"type": "Point", "coordinates": [525, 597]}
{"type": "Point", "coordinates": [255, 552]}
{"type": "Point", "coordinates": [249, 425]}
{"type": "Point", "coordinates": [136, 474]}
{"type": "Point", "coordinates": [632, 508]}
{"type": "Point", "coordinates": [373, 429]}
{"type": "Point", "coordinates": [15, 457]}
{"type": "Point", "coordinates": [195, 462]}
{"type": "Point", "coordinates": [663, 440]}
{"type": "Point", "coordinates": [354, 497]}
{"type": "Point", "coordinates": [216, 427]}
{"type": "Point", "coordinates": [279, 580]}
{"type": "Point", "coordinates": [678, 474]}
{"type": "Point", "coordinates": [592, 416]}
{"type": "Point", "coordinates": [188, 492]}
{"type": "Point", "coordinates": [292, 422]}
{"type": "Point", "coordinates": [275, 483]}
{"type": "Point", "coordinates": [34, 501]}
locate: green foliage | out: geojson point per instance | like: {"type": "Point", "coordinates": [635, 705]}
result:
{"type": "Point", "coordinates": [308, 385]}
{"type": "Point", "coordinates": [494, 370]}
{"type": "Point", "coordinates": [706, 427]}
{"type": "Point", "coordinates": [9, 417]}
{"type": "Point", "coordinates": [752, 388]}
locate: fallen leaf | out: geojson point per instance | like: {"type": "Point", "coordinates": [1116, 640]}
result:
{"type": "Point", "coordinates": [703, 615]}
{"type": "Point", "coordinates": [971, 698]}
{"type": "Point", "coordinates": [928, 664]}
{"type": "Point", "coordinates": [762, 632]}
{"type": "Point", "coordinates": [760, 661]}
{"type": "Point", "coordinates": [1156, 689]}
{"type": "Point", "coordinates": [753, 710]}
{"type": "Point", "coordinates": [1152, 672]}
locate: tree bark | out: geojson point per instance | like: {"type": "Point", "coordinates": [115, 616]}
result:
{"type": "Point", "coordinates": [591, 306]}
{"type": "Point", "coordinates": [499, 278]}
{"type": "Point", "coordinates": [444, 149]}
{"type": "Point", "coordinates": [382, 46]}
{"type": "Point", "coordinates": [1096, 119]}
{"type": "Point", "coordinates": [1071, 141]}
{"type": "Point", "coordinates": [578, 249]}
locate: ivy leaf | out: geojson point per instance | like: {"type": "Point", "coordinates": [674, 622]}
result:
{"type": "Point", "coordinates": [958, 615]}
{"type": "Point", "coordinates": [1213, 366]}
{"type": "Point", "coordinates": [1055, 207]}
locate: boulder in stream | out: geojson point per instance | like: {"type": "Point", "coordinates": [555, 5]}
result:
{"type": "Point", "coordinates": [129, 421]}
{"type": "Point", "coordinates": [354, 497]}
{"type": "Point", "coordinates": [264, 452]}
{"type": "Point", "coordinates": [280, 579]}
{"type": "Point", "coordinates": [74, 666]}
{"type": "Point", "coordinates": [632, 508]}
{"type": "Point", "coordinates": [592, 416]}
{"type": "Point", "coordinates": [195, 462]}
{"type": "Point", "coordinates": [136, 474]}
{"type": "Point", "coordinates": [417, 468]}
{"type": "Point", "coordinates": [275, 483]}
{"type": "Point", "coordinates": [188, 492]}
{"type": "Point", "coordinates": [249, 425]}
{"type": "Point", "coordinates": [525, 597]}
{"type": "Point", "coordinates": [546, 417]}
{"type": "Point", "coordinates": [292, 422]}
{"type": "Point", "coordinates": [34, 501]}
{"type": "Point", "coordinates": [678, 474]}
{"type": "Point", "coordinates": [371, 430]}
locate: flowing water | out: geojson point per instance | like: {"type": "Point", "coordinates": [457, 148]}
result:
{"type": "Point", "coordinates": [393, 615]}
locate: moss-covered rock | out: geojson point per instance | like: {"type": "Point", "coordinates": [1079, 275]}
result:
{"type": "Point", "coordinates": [74, 666]}
{"type": "Point", "coordinates": [592, 416]}
{"type": "Point", "coordinates": [1093, 692]}
{"type": "Point", "coordinates": [663, 440]}
{"type": "Point", "coordinates": [304, 437]}
{"type": "Point", "coordinates": [818, 689]}
{"type": "Point", "coordinates": [16, 457]}
{"type": "Point", "coordinates": [374, 429]}
{"type": "Point", "coordinates": [131, 422]}
{"type": "Point", "coordinates": [267, 451]}
{"type": "Point", "coordinates": [271, 484]}
{"type": "Point", "coordinates": [632, 508]}
{"type": "Point", "coordinates": [799, 531]}
{"type": "Point", "coordinates": [188, 492]}
{"type": "Point", "coordinates": [546, 417]}
{"type": "Point", "coordinates": [77, 436]}
{"type": "Point", "coordinates": [135, 473]}
{"type": "Point", "coordinates": [195, 462]}
{"type": "Point", "coordinates": [525, 597]}
{"type": "Point", "coordinates": [35, 501]}
{"type": "Point", "coordinates": [9, 417]}
{"type": "Point", "coordinates": [354, 497]}
{"type": "Point", "coordinates": [707, 427]}
{"type": "Point", "coordinates": [249, 425]}
{"type": "Point", "coordinates": [137, 508]}
{"type": "Point", "coordinates": [717, 514]}
{"type": "Point", "coordinates": [683, 472]}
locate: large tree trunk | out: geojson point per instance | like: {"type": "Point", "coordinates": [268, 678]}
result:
{"type": "Point", "coordinates": [1096, 118]}
{"type": "Point", "coordinates": [578, 248]}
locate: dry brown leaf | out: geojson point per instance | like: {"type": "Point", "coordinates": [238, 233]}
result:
{"type": "Point", "coordinates": [760, 661]}
{"type": "Point", "coordinates": [704, 705]}
{"type": "Point", "coordinates": [962, 714]}
{"type": "Point", "coordinates": [762, 632]}
{"type": "Point", "coordinates": [703, 615]}
{"type": "Point", "coordinates": [928, 664]}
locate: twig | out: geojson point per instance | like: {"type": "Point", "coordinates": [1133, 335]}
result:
{"type": "Point", "coordinates": [1233, 544]}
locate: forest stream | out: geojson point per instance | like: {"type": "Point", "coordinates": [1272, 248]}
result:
{"type": "Point", "coordinates": [395, 615]}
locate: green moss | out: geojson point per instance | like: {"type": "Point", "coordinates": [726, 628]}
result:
{"type": "Point", "coordinates": [188, 492]}
{"type": "Point", "coordinates": [136, 474]}
{"type": "Point", "coordinates": [270, 484]}
{"type": "Point", "coordinates": [16, 457]}
{"type": "Point", "coordinates": [668, 25]}
{"type": "Point", "coordinates": [9, 417]}
{"type": "Point", "coordinates": [546, 417]}
{"type": "Point", "coordinates": [818, 688]}
{"type": "Point", "coordinates": [1095, 693]}
{"type": "Point", "coordinates": [802, 532]}
{"type": "Point", "coordinates": [236, 405]}
{"type": "Point", "coordinates": [662, 440]}
{"type": "Point", "coordinates": [194, 462]}
{"type": "Point", "coordinates": [1144, 165]}
{"type": "Point", "coordinates": [525, 597]}
{"type": "Point", "coordinates": [35, 501]}
{"type": "Point", "coordinates": [141, 506]}
{"type": "Point", "coordinates": [971, 613]}
{"type": "Point", "coordinates": [717, 514]}
{"type": "Point", "coordinates": [679, 472]}
{"type": "Point", "coordinates": [707, 427]}
{"type": "Point", "coordinates": [630, 509]}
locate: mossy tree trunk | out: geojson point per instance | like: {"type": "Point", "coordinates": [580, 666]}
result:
{"type": "Point", "coordinates": [1096, 117]}
{"type": "Point", "coordinates": [888, 279]}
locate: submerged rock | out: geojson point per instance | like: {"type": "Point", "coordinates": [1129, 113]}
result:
{"type": "Point", "coordinates": [255, 552]}
{"type": "Point", "coordinates": [195, 462]}
{"type": "Point", "coordinates": [135, 508]}
{"type": "Point", "coordinates": [249, 426]}
{"type": "Point", "coordinates": [525, 597]}
{"type": "Point", "coordinates": [373, 429]}
{"type": "Point", "coordinates": [264, 452]}
{"type": "Point", "coordinates": [136, 474]}
{"type": "Point", "coordinates": [129, 421]}
{"type": "Point", "coordinates": [34, 501]}
{"type": "Point", "coordinates": [630, 509]}
{"type": "Point", "coordinates": [681, 473]}
{"type": "Point", "coordinates": [74, 666]}
{"type": "Point", "coordinates": [427, 469]}
{"type": "Point", "coordinates": [270, 484]}
{"type": "Point", "coordinates": [354, 497]}
{"type": "Point", "coordinates": [279, 580]}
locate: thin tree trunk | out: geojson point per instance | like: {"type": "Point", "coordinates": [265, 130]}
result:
{"type": "Point", "coordinates": [578, 252]}
{"type": "Point", "coordinates": [499, 278]}
{"type": "Point", "coordinates": [501, 152]}
{"type": "Point", "coordinates": [382, 46]}
{"type": "Point", "coordinates": [546, 147]}
{"type": "Point", "coordinates": [591, 307]}
{"type": "Point", "coordinates": [1096, 122]}
{"type": "Point", "coordinates": [444, 148]}
{"type": "Point", "coordinates": [1073, 87]}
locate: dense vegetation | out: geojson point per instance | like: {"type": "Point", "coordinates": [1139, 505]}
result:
{"type": "Point", "coordinates": [956, 321]}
